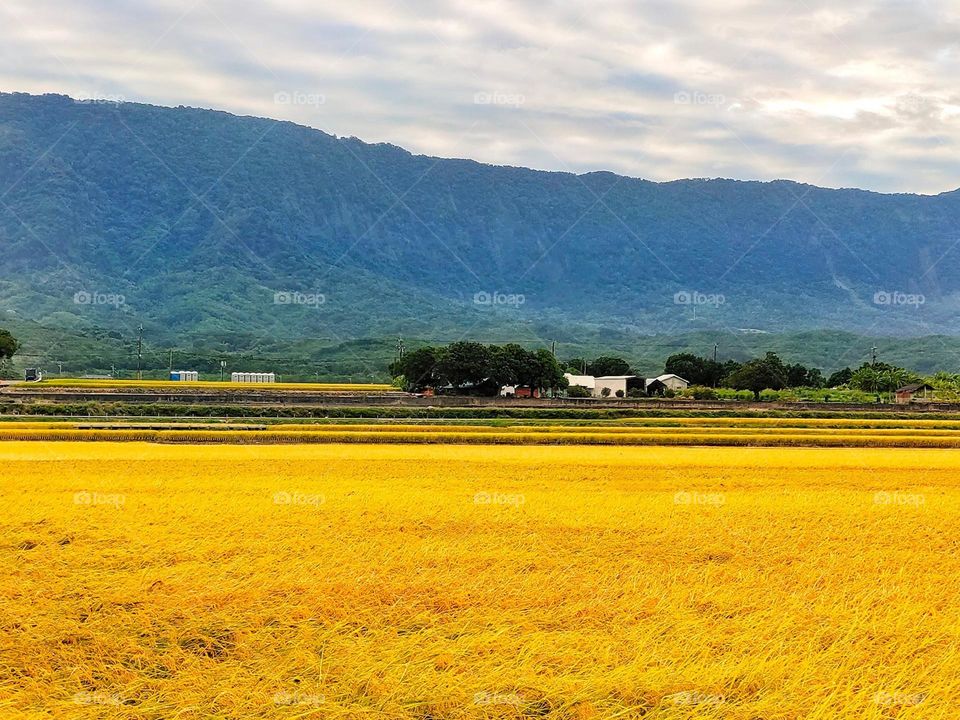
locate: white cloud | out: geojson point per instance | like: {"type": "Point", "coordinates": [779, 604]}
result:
{"type": "Point", "coordinates": [858, 95]}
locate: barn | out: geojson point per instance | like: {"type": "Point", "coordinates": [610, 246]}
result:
{"type": "Point", "coordinates": [908, 393]}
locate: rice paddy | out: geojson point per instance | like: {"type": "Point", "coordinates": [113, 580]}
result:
{"type": "Point", "coordinates": [365, 576]}
{"type": "Point", "coordinates": [772, 432]}
{"type": "Point", "coordinates": [106, 383]}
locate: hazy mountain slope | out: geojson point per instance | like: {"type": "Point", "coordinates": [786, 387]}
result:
{"type": "Point", "coordinates": [200, 218]}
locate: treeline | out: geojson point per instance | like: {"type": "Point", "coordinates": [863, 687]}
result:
{"type": "Point", "coordinates": [477, 368]}
{"type": "Point", "coordinates": [771, 373]}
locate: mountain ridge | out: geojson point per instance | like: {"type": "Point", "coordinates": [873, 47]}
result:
{"type": "Point", "coordinates": [201, 219]}
{"type": "Point", "coordinates": [394, 146]}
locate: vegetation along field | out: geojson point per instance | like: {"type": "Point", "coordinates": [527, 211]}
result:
{"type": "Point", "coordinates": [445, 581]}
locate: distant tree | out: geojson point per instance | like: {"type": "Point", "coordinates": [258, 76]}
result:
{"type": "Point", "coordinates": [840, 377]}
{"type": "Point", "coordinates": [464, 362]}
{"type": "Point", "coordinates": [544, 372]}
{"type": "Point", "coordinates": [8, 348]}
{"type": "Point", "coordinates": [801, 376]}
{"type": "Point", "coordinates": [605, 392]}
{"type": "Point", "coordinates": [578, 391]}
{"type": "Point", "coordinates": [881, 378]}
{"type": "Point", "coordinates": [695, 369]}
{"type": "Point", "coordinates": [815, 378]}
{"type": "Point", "coordinates": [607, 365]}
{"type": "Point", "coordinates": [507, 363]}
{"type": "Point", "coordinates": [8, 345]}
{"type": "Point", "coordinates": [760, 374]}
{"type": "Point", "coordinates": [796, 375]}
{"type": "Point", "coordinates": [774, 361]}
{"type": "Point", "coordinates": [419, 368]}
{"type": "Point", "coordinates": [575, 366]}
{"type": "Point", "coordinates": [945, 381]}
{"type": "Point", "coordinates": [551, 372]}
{"type": "Point", "coordinates": [729, 368]}
{"type": "Point", "coordinates": [866, 378]}
{"type": "Point", "coordinates": [701, 392]}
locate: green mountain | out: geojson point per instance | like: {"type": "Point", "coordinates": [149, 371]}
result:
{"type": "Point", "coordinates": [230, 233]}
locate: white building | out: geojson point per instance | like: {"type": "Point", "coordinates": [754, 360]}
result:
{"type": "Point", "coordinates": [584, 381]}
{"type": "Point", "coordinates": [615, 383]}
{"type": "Point", "coordinates": [622, 383]}
{"type": "Point", "coordinates": [245, 377]}
{"type": "Point", "coordinates": [669, 381]}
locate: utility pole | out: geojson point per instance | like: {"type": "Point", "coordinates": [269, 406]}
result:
{"type": "Point", "coordinates": [223, 366]}
{"type": "Point", "coordinates": [553, 348]}
{"type": "Point", "coordinates": [715, 346]}
{"type": "Point", "coordinates": [171, 359]}
{"type": "Point", "coordinates": [401, 348]}
{"type": "Point", "coordinates": [139, 352]}
{"type": "Point", "coordinates": [60, 365]}
{"type": "Point", "coordinates": [874, 351]}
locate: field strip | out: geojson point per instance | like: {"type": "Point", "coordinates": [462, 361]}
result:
{"type": "Point", "coordinates": [206, 385]}
{"type": "Point", "coordinates": [904, 460]}
{"type": "Point", "coordinates": [485, 437]}
{"type": "Point", "coordinates": [631, 430]}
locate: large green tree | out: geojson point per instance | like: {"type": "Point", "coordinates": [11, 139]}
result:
{"type": "Point", "coordinates": [544, 372]}
{"type": "Point", "coordinates": [608, 365]}
{"type": "Point", "coordinates": [840, 377]}
{"type": "Point", "coordinates": [507, 363]}
{"type": "Point", "coordinates": [695, 369]}
{"type": "Point", "coordinates": [419, 369]}
{"type": "Point", "coordinates": [8, 348]}
{"type": "Point", "coordinates": [8, 345]}
{"type": "Point", "coordinates": [801, 376]}
{"type": "Point", "coordinates": [465, 363]}
{"type": "Point", "coordinates": [881, 377]}
{"type": "Point", "coordinates": [760, 374]}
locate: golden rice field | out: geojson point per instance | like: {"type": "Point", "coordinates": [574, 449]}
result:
{"type": "Point", "coordinates": [438, 582]}
{"type": "Point", "coordinates": [774, 432]}
{"type": "Point", "coordinates": [97, 383]}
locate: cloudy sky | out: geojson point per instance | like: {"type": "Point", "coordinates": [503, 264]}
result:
{"type": "Point", "coordinates": [857, 93]}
